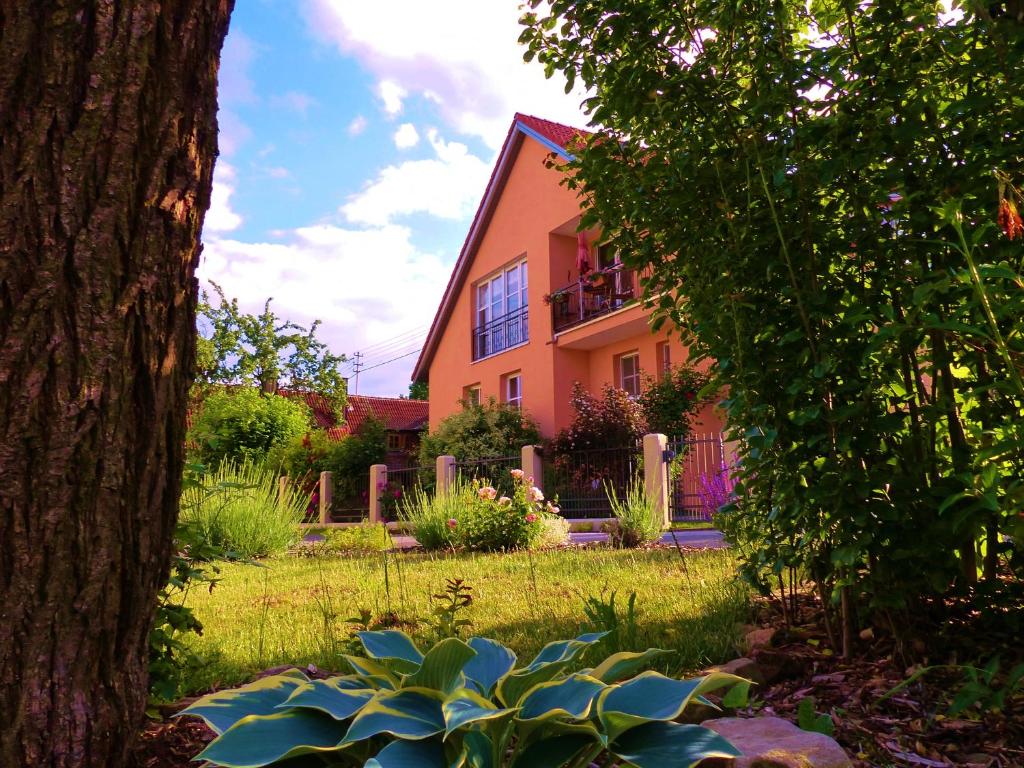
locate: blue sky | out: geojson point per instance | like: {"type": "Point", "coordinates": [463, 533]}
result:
{"type": "Point", "coordinates": [356, 139]}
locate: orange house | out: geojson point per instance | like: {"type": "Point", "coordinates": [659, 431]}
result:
{"type": "Point", "coordinates": [531, 306]}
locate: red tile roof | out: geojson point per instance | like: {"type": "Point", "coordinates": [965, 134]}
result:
{"type": "Point", "coordinates": [562, 135]}
{"type": "Point", "coordinates": [398, 414]}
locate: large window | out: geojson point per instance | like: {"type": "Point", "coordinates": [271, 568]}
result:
{"type": "Point", "coordinates": [629, 373]}
{"type": "Point", "coordinates": [501, 311]}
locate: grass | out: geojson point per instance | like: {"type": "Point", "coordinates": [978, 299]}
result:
{"type": "Point", "coordinates": [292, 610]}
{"type": "Point", "coordinates": [691, 525]}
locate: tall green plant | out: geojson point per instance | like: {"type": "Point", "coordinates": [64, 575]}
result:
{"type": "Point", "coordinates": [638, 520]}
{"type": "Point", "coordinates": [240, 507]}
{"type": "Point", "coordinates": [783, 175]}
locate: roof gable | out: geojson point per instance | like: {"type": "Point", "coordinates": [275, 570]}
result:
{"type": "Point", "coordinates": [556, 137]}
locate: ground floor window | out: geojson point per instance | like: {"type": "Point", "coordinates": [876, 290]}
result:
{"type": "Point", "coordinates": [629, 373]}
{"type": "Point", "coordinates": [514, 390]}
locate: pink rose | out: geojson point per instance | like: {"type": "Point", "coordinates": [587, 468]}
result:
{"type": "Point", "coordinates": [452, 522]}
{"type": "Point", "coordinates": [517, 474]}
{"type": "Point", "coordinates": [531, 518]}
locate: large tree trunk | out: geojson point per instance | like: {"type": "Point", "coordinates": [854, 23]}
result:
{"type": "Point", "coordinates": [108, 137]}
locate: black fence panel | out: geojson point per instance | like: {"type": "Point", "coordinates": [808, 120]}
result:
{"type": "Point", "coordinates": [402, 486]}
{"type": "Point", "coordinates": [699, 480]}
{"type": "Point", "coordinates": [579, 480]}
{"type": "Point", "coordinates": [496, 470]}
{"type": "Point", "coordinates": [350, 501]}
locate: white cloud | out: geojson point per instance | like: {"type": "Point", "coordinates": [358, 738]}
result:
{"type": "Point", "coordinates": [365, 286]}
{"type": "Point", "coordinates": [406, 136]}
{"type": "Point", "coordinates": [464, 55]}
{"type": "Point", "coordinates": [220, 217]}
{"type": "Point", "coordinates": [391, 95]}
{"type": "Point", "coordinates": [357, 126]}
{"type": "Point", "coordinates": [446, 186]}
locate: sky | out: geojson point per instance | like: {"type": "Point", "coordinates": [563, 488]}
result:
{"type": "Point", "coordinates": [356, 139]}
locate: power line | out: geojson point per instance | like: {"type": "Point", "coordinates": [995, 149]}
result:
{"type": "Point", "coordinates": [397, 339]}
{"type": "Point", "coordinates": [386, 362]}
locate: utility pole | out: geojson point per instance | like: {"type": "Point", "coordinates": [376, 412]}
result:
{"type": "Point", "coordinates": [357, 367]}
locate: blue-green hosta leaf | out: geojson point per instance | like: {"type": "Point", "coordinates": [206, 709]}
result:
{"type": "Point", "coordinates": [409, 754]}
{"type": "Point", "coordinates": [571, 698]}
{"type": "Point", "coordinates": [332, 696]}
{"type": "Point", "coordinates": [670, 745]}
{"type": "Point", "coordinates": [564, 650]}
{"type": "Point", "coordinates": [464, 706]}
{"type": "Point", "coordinates": [441, 669]}
{"type": "Point", "coordinates": [513, 686]}
{"type": "Point", "coordinates": [412, 713]}
{"type": "Point", "coordinates": [477, 751]}
{"type": "Point", "coordinates": [492, 661]}
{"type": "Point", "coordinates": [554, 752]}
{"type": "Point", "coordinates": [391, 644]}
{"type": "Point", "coordinates": [259, 740]}
{"type": "Point", "coordinates": [375, 674]}
{"type": "Point", "coordinates": [652, 696]}
{"type": "Point", "coordinates": [223, 709]}
{"type": "Point", "coordinates": [621, 665]}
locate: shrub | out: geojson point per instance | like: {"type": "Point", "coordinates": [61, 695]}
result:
{"type": "Point", "coordinates": [465, 703]}
{"type": "Point", "coordinates": [245, 425]}
{"type": "Point", "coordinates": [239, 507]}
{"type": "Point", "coordinates": [554, 532]}
{"type": "Point", "coordinates": [639, 520]}
{"type": "Point", "coordinates": [350, 458]}
{"type": "Point", "coordinates": [301, 457]}
{"type": "Point", "coordinates": [613, 420]}
{"type": "Point", "coordinates": [480, 431]}
{"type": "Point", "coordinates": [670, 403]}
{"type": "Point", "coordinates": [428, 515]}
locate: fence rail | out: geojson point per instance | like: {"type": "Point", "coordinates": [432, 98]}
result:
{"type": "Point", "coordinates": [579, 480]}
{"type": "Point", "coordinates": [496, 470]}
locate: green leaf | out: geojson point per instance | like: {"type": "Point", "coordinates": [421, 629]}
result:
{"type": "Point", "coordinates": [412, 713]}
{"type": "Point", "coordinates": [259, 740]}
{"type": "Point", "coordinates": [554, 752]}
{"type": "Point", "coordinates": [652, 696]}
{"type": "Point", "coordinates": [625, 664]}
{"type": "Point", "coordinates": [492, 661]}
{"type": "Point", "coordinates": [571, 697]}
{"type": "Point", "coordinates": [515, 685]}
{"type": "Point", "coordinates": [668, 745]}
{"type": "Point", "coordinates": [409, 754]}
{"type": "Point", "coordinates": [564, 650]}
{"type": "Point", "coordinates": [477, 751]}
{"type": "Point", "coordinates": [390, 644]}
{"type": "Point", "coordinates": [464, 706]}
{"type": "Point", "coordinates": [374, 673]}
{"type": "Point", "coordinates": [441, 669]}
{"type": "Point", "coordinates": [223, 709]}
{"type": "Point", "coordinates": [333, 696]}
{"type": "Point", "coordinates": [737, 696]}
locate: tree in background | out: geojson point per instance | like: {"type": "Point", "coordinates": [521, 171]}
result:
{"type": "Point", "coordinates": [670, 403]}
{"type": "Point", "coordinates": [824, 198]}
{"type": "Point", "coordinates": [265, 352]}
{"type": "Point", "coordinates": [245, 425]}
{"type": "Point", "coordinates": [108, 117]}
{"type": "Point", "coordinates": [419, 390]}
{"type": "Point", "coordinates": [478, 431]}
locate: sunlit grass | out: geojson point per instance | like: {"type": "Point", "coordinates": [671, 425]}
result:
{"type": "Point", "coordinates": [274, 614]}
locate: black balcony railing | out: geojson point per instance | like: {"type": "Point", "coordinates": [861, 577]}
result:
{"type": "Point", "coordinates": [592, 296]}
{"type": "Point", "coordinates": [509, 330]}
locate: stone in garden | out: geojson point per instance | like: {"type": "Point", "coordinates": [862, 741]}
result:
{"type": "Point", "coordinates": [742, 667]}
{"type": "Point", "coordinates": [771, 742]}
{"type": "Point", "coordinates": [759, 638]}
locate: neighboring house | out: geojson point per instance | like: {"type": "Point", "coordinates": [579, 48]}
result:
{"type": "Point", "coordinates": [532, 306]}
{"type": "Point", "coordinates": [403, 419]}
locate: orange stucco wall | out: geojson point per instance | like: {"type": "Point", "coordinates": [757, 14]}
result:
{"type": "Point", "coordinates": [531, 208]}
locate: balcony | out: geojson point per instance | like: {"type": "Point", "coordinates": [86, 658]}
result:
{"type": "Point", "coordinates": [501, 333]}
{"type": "Point", "coordinates": [596, 294]}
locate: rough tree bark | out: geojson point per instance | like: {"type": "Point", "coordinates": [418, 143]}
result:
{"type": "Point", "coordinates": [108, 136]}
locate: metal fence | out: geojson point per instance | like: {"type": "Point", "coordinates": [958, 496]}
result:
{"type": "Point", "coordinates": [579, 480]}
{"type": "Point", "coordinates": [495, 470]}
{"type": "Point", "coordinates": [699, 479]}
{"type": "Point", "coordinates": [350, 500]}
{"type": "Point", "coordinates": [402, 486]}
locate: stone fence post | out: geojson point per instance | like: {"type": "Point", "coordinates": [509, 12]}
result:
{"type": "Point", "coordinates": [533, 464]}
{"type": "Point", "coordinates": [656, 474]}
{"type": "Point", "coordinates": [378, 482]}
{"type": "Point", "coordinates": [326, 491]}
{"type": "Point", "coordinates": [445, 468]}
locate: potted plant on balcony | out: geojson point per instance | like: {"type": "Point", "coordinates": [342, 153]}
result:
{"type": "Point", "coordinates": [556, 297]}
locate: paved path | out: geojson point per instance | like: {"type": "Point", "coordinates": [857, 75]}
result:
{"type": "Point", "coordinates": [705, 539]}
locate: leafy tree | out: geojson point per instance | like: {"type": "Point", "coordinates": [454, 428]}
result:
{"type": "Point", "coordinates": [350, 458]}
{"type": "Point", "coordinates": [419, 390]}
{"type": "Point", "coordinates": [108, 117]}
{"type": "Point", "coordinates": [265, 352]}
{"type": "Point", "coordinates": [480, 431]}
{"type": "Point", "coordinates": [824, 198]}
{"type": "Point", "coordinates": [671, 402]}
{"type": "Point", "coordinates": [245, 424]}
{"type": "Point", "coordinates": [611, 420]}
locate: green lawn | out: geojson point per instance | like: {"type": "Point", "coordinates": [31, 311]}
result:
{"type": "Point", "coordinates": [273, 614]}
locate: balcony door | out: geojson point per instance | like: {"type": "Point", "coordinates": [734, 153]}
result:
{"type": "Point", "coordinates": [501, 314]}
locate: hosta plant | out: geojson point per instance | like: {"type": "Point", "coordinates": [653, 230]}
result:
{"type": "Point", "coordinates": [464, 704]}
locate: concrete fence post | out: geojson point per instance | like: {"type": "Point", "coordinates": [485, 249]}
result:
{"type": "Point", "coordinates": [445, 467]}
{"type": "Point", "coordinates": [282, 488]}
{"type": "Point", "coordinates": [656, 474]}
{"type": "Point", "coordinates": [378, 482]}
{"type": "Point", "coordinates": [533, 464]}
{"type": "Point", "coordinates": [326, 492]}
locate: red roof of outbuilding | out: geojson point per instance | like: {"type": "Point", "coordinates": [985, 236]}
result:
{"type": "Point", "coordinates": [398, 414]}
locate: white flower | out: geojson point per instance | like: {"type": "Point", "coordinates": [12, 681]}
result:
{"type": "Point", "coordinates": [535, 494]}
{"type": "Point", "coordinates": [517, 474]}
{"type": "Point", "coordinates": [505, 501]}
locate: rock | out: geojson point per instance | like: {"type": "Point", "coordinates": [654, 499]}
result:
{"type": "Point", "coordinates": [742, 667]}
{"type": "Point", "coordinates": [771, 742]}
{"type": "Point", "coordinates": [759, 638]}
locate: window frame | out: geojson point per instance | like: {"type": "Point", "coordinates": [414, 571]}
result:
{"type": "Point", "coordinates": [633, 376]}
{"type": "Point", "coordinates": [489, 307]}
{"type": "Point", "coordinates": [517, 401]}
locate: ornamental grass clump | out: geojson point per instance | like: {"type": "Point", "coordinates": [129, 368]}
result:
{"type": "Point", "coordinates": [639, 520]}
{"type": "Point", "coordinates": [240, 508]}
{"type": "Point", "coordinates": [466, 703]}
